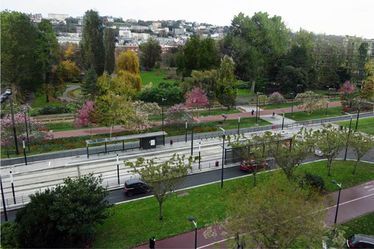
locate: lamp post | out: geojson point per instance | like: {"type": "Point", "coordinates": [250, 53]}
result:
{"type": "Point", "coordinates": [257, 108]}
{"type": "Point", "coordinates": [3, 198]}
{"type": "Point", "coordinates": [118, 181]}
{"type": "Point", "coordinates": [349, 133]}
{"type": "Point", "coordinates": [358, 116]}
{"type": "Point", "coordinates": [162, 114]}
{"type": "Point", "coordinates": [7, 94]}
{"type": "Point", "coordinates": [186, 126]}
{"type": "Point", "coordinates": [292, 101]}
{"type": "Point", "coordinates": [24, 151]}
{"type": "Point", "coordinates": [327, 107]}
{"type": "Point", "coordinates": [200, 155]}
{"type": "Point", "coordinates": [192, 140]}
{"type": "Point", "coordinates": [27, 131]}
{"type": "Point", "coordinates": [12, 185]}
{"type": "Point", "coordinates": [193, 221]}
{"type": "Point", "coordinates": [238, 125]}
{"type": "Point", "coordinates": [282, 121]}
{"type": "Point", "coordinates": [223, 153]}
{"type": "Point", "coordinates": [339, 185]}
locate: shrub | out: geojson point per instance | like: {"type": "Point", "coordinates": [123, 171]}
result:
{"type": "Point", "coordinates": [53, 110]}
{"type": "Point", "coordinates": [314, 181]}
{"type": "Point", "coordinates": [8, 235]}
{"type": "Point", "coordinates": [276, 98]}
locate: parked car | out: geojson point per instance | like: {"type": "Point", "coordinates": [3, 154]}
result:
{"type": "Point", "coordinates": [360, 241]}
{"type": "Point", "coordinates": [135, 186]}
{"type": "Point", "coordinates": [252, 165]}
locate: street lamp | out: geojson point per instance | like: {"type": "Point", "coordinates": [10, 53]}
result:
{"type": "Point", "coordinates": [24, 150]}
{"type": "Point", "coordinates": [193, 221]}
{"type": "Point", "coordinates": [27, 129]}
{"type": "Point", "coordinates": [283, 121]}
{"type": "Point", "coordinates": [12, 185]}
{"type": "Point", "coordinates": [238, 125]}
{"type": "Point", "coordinates": [358, 116]}
{"type": "Point", "coordinates": [339, 185]}
{"type": "Point", "coordinates": [292, 101]}
{"type": "Point", "coordinates": [3, 198]}
{"type": "Point", "coordinates": [223, 153]}
{"type": "Point", "coordinates": [118, 181]}
{"type": "Point", "coordinates": [257, 108]}
{"type": "Point", "coordinates": [349, 133]}
{"type": "Point", "coordinates": [7, 94]}
{"type": "Point", "coordinates": [200, 155]}
{"type": "Point", "coordinates": [186, 126]}
{"type": "Point", "coordinates": [192, 139]}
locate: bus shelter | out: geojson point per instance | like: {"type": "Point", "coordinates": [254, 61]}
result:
{"type": "Point", "coordinates": [146, 141]}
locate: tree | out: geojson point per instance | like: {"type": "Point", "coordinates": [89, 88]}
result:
{"type": "Point", "coordinates": [109, 46]}
{"type": "Point", "coordinates": [310, 101]}
{"type": "Point", "coordinates": [150, 53]}
{"type": "Point", "coordinates": [19, 47]}
{"type": "Point", "coordinates": [329, 141]}
{"type": "Point", "coordinates": [206, 80]}
{"type": "Point", "coordinates": [292, 78]}
{"type": "Point", "coordinates": [67, 70]}
{"type": "Point", "coordinates": [256, 43]}
{"type": "Point", "coordinates": [276, 214]}
{"type": "Point", "coordinates": [362, 59]}
{"type": "Point", "coordinates": [85, 115]}
{"type": "Point", "coordinates": [196, 98]}
{"type": "Point", "coordinates": [88, 85]}
{"type": "Point", "coordinates": [92, 47]}
{"type": "Point", "coordinates": [176, 114]}
{"type": "Point", "coordinates": [276, 98]}
{"type": "Point", "coordinates": [347, 95]}
{"type": "Point", "coordinates": [162, 177]}
{"type": "Point", "coordinates": [361, 144]}
{"type": "Point", "coordinates": [226, 82]}
{"type": "Point", "coordinates": [170, 92]}
{"type": "Point", "coordinates": [367, 91]}
{"type": "Point", "coordinates": [197, 54]}
{"type": "Point", "coordinates": [128, 61]}
{"type": "Point", "coordinates": [65, 217]}
{"type": "Point", "coordinates": [8, 235]}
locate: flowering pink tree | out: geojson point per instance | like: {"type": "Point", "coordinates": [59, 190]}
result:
{"type": "Point", "coordinates": [84, 115]}
{"type": "Point", "coordinates": [176, 114]}
{"type": "Point", "coordinates": [37, 131]}
{"type": "Point", "coordinates": [196, 98]}
{"type": "Point", "coordinates": [276, 98]}
{"type": "Point", "coordinates": [347, 94]}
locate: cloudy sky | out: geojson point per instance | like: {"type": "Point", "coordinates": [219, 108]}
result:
{"type": "Point", "coordinates": [340, 17]}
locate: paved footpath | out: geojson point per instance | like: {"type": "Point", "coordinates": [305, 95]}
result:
{"type": "Point", "coordinates": [354, 202]}
{"type": "Point", "coordinates": [106, 130]}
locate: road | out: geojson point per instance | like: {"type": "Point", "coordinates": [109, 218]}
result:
{"type": "Point", "coordinates": [354, 202]}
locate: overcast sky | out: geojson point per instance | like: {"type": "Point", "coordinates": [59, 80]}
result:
{"type": "Point", "coordinates": [340, 17]}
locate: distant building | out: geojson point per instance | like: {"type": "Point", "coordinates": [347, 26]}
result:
{"type": "Point", "coordinates": [124, 33]}
{"type": "Point", "coordinates": [36, 17]}
{"type": "Point", "coordinates": [57, 17]}
{"type": "Point", "coordinates": [155, 26]}
{"type": "Point", "coordinates": [139, 28]}
{"type": "Point", "coordinates": [140, 36]}
{"type": "Point", "coordinates": [179, 31]}
{"type": "Point", "coordinates": [69, 38]}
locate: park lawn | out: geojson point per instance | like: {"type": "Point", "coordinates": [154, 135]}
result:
{"type": "Point", "coordinates": [244, 92]}
{"type": "Point", "coordinates": [135, 222]}
{"type": "Point", "coordinates": [364, 124]}
{"type": "Point", "coordinates": [301, 116]}
{"type": "Point", "coordinates": [155, 76]}
{"type": "Point", "coordinates": [62, 126]}
{"type": "Point", "coordinates": [281, 105]}
{"type": "Point", "coordinates": [214, 112]}
{"type": "Point", "coordinates": [40, 101]}
{"type": "Point", "coordinates": [361, 225]}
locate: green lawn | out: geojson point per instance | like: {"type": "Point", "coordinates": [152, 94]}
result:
{"type": "Point", "coordinates": [41, 101]}
{"type": "Point", "coordinates": [214, 112]}
{"type": "Point", "coordinates": [363, 225]}
{"type": "Point", "coordinates": [155, 76]}
{"type": "Point", "coordinates": [63, 126]}
{"type": "Point", "coordinates": [364, 124]}
{"type": "Point", "coordinates": [135, 222]}
{"type": "Point", "coordinates": [244, 93]}
{"type": "Point", "coordinates": [301, 116]}
{"type": "Point", "coordinates": [276, 106]}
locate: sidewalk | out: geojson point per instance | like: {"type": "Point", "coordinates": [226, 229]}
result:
{"type": "Point", "coordinates": [354, 202]}
{"type": "Point", "coordinates": [106, 130]}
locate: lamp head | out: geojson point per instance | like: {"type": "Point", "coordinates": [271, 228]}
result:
{"type": "Point", "coordinates": [191, 218]}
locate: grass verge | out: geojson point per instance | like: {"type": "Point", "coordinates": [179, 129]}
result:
{"type": "Point", "coordinates": [362, 225]}
{"type": "Point", "coordinates": [155, 76]}
{"type": "Point", "coordinates": [364, 124]}
{"type": "Point", "coordinates": [301, 116]}
{"type": "Point", "coordinates": [133, 223]}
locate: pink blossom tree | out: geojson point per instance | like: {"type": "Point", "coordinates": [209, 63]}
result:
{"type": "Point", "coordinates": [176, 114]}
{"type": "Point", "coordinates": [347, 94]}
{"type": "Point", "coordinates": [84, 116]}
{"type": "Point", "coordinates": [36, 131]}
{"type": "Point", "coordinates": [196, 98]}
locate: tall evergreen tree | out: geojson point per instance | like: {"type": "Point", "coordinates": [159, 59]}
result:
{"type": "Point", "coordinates": [88, 85]}
{"type": "Point", "coordinates": [226, 91]}
{"type": "Point", "coordinates": [92, 47]}
{"type": "Point", "coordinates": [150, 53]}
{"type": "Point", "coordinates": [362, 59]}
{"type": "Point", "coordinates": [109, 46]}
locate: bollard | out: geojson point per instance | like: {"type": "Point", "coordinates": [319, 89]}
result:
{"type": "Point", "coordinates": [217, 163]}
{"type": "Point", "coordinates": [171, 142]}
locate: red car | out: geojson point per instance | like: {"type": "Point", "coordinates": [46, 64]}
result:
{"type": "Point", "coordinates": [252, 165]}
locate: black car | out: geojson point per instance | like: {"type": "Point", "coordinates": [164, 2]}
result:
{"type": "Point", "coordinates": [360, 241]}
{"type": "Point", "coordinates": [136, 186]}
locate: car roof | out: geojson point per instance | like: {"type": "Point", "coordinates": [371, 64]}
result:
{"type": "Point", "coordinates": [364, 238]}
{"type": "Point", "coordinates": [133, 181]}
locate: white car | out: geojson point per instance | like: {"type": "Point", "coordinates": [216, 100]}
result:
{"type": "Point", "coordinates": [318, 152]}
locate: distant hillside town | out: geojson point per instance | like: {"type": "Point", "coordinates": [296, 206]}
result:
{"type": "Point", "coordinates": [131, 33]}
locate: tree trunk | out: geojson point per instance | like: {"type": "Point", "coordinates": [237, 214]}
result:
{"type": "Point", "coordinates": [329, 162]}
{"type": "Point", "coordinates": [254, 179]}
{"type": "Point", "coordinates": [111, 130]}
{"type": "Point", "coordinates": [160, 205]}
{"type": "Point", "coordinates": [354, 169]}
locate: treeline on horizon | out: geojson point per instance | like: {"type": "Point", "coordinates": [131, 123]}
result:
{"type": "Point", "coordinates": [268, 56]}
